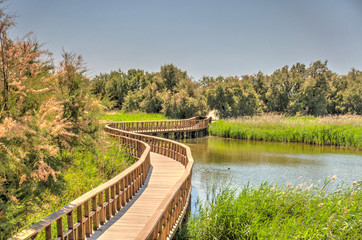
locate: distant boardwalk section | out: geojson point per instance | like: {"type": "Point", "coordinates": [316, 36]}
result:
{"type": "Point", "coordinates": [148, 200]}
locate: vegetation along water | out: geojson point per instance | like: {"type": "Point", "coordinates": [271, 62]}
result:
{"type": "Point", "coordinates": [268, 190]}
{"type": "Point", "coordinates": [339, 131]}
{"type": "Point", "coordinates": [271, 212]}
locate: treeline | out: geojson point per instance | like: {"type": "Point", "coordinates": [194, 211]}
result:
{"type": "Point", "coordinates": [297, 90]}
{"type": "Point", "coordinates": [169, 91]}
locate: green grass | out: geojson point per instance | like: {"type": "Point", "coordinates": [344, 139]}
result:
{"type": "Point", "coordinates": [122, 116]}
{"type": "Point", "coordinates": [338, 131]}
{"type": "Point", "coordinates": [86, 171]}
{"type": "Point", "coordinates": [270, 212]}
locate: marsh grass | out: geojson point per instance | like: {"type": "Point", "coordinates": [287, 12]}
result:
{"type": "Point", "coordinates": [305, 211]}
{"type": "Point", "coordinates": [123, 116]}
{"type": "Point", "coordinates": [338, 131]}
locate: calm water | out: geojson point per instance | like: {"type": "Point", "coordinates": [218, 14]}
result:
{"type": "Point", "coordinates": [220, 161]}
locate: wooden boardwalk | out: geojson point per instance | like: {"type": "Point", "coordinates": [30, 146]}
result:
{"type": "Point", "coordinates": [146, 201]}
{"type": "Point", "coordinates": [164, 175]}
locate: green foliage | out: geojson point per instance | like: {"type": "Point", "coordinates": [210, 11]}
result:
{"type": "Point", "coordinates": [271, 212]}
{"type": "Point", "coordinates": [171, 76]}
{"type": "Point", "coordinates": [116, 85]}
{"type": "Point", "coordinates": [352, 101]}
{"type": "Point", "coordinates": [315, 90]}
{"type": "Point", "coordinates": [298, 90]}
{"type": "Point", "coordinates": [170, 91]}
{"type": "Point", "coordinates": [75, 98]}
{"type": "Point", "coordinates": [343, 131]}
{"type": "Point", "coordinates": [232, 97]}
{"type": "Point", "coordinates": [185, 102]}
{"type": "Point", "coordinates": [284, 83]}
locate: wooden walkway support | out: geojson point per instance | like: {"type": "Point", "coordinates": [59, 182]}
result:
{"type": "Point", "coordinates": [157, 212]}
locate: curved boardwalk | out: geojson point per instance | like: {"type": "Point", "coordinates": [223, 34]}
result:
{"type": "Point", "coordinates": [165, 173]}
{"type": "Point", "coordinates": [146, 201]}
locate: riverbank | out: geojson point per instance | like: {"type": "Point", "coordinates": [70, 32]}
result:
{"type": "Point", "coordinates": [343, 131]}
{"type": "Point", "coordinates": [268, 212]}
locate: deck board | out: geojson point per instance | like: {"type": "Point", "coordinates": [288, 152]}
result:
{"type": "Point", "coordinates": [165, 173]}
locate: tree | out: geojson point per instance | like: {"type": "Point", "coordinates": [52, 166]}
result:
{"type": "Point", "coordinates": [43, 114]}
{"type": "Point", "coordinates": [171, 76]}
{"type": "Point", "coordinates": [352, 102]}
{"type": "Point", "coordinates": [232, 97]}
{"type": "Point", "coordinates": [259, 82]}
{"type": "Point", "coordinates": [184, 104]}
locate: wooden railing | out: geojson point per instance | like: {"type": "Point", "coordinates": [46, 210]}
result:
{"type": "Point", "coordinates": [171, 211]}
{"type": "Point", "coordinates": [191, 124]}
{"type": "Point", "coordinates": [92, 209]}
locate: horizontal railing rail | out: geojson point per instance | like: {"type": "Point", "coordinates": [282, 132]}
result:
{"type": "Point", "coordinates": [101, 203]}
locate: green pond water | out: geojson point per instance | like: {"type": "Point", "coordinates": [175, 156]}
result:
{"type": "Point", "coordinates": [221, 161]}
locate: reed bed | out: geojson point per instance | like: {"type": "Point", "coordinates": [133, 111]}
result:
{"type": "Point", "coordinates": [305, 211]}
{"type": "Point", "coordinates": [338, 131]}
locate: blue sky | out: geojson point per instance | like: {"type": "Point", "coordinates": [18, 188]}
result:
{"type": "Point", "coordinates": [202, 37]}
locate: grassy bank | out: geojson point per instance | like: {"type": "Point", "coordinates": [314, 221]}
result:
{"type": "Point", "coordinates": [269, 212]}
{"type": "Point", "coordinates": [86, 171]}
{"type": "Point", "coordinates": [122, 116]}
{"type": "Point", "coordinates": [339, 131]}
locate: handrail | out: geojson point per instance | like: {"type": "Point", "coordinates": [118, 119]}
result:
{"type": "Point", "coordinates": [111, 196]}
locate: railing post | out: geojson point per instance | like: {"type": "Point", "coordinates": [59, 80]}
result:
{"type": "Point", "coordinates": [101, 204]}
{"type": "Point", "coordinates": [48, 232]}
{"type": "Point", "coordinates": [123, 194]}
{"type": "Point", "coordinates": [80, 221]}
{"type": "Point", "coordinates": [132, 181]}
{"type": "Point", "coordinates": [118, 192]}
{"type": "Point", "coordinates": [108, 207]}
{"type": "Point", "coordinates": [88, 224]}
{"type": "Point", "coordinates": [128, 193]}
{"type": "Point", "coordinates": [60, 228]}
{"type": "Point", "coordinates": [114, 202]}
{"type": "Point", "coordinates": [70, 225]}
{"type": "Point", "coordinates": [96, 215]}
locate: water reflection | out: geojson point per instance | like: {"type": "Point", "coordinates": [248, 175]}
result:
{"type": "Point", "coordinates": [223, 161]}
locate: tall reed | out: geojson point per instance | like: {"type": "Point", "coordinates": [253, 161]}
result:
{"type": "Point", "coordinates": [305, 211]}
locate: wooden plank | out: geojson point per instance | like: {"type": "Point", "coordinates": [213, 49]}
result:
{"type": "Point", "coordinates": [160, 183]}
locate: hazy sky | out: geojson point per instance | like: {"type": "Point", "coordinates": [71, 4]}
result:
{"type": "Point", "coordinates": [203, 37]}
